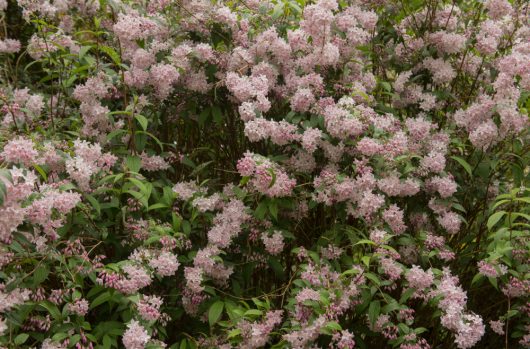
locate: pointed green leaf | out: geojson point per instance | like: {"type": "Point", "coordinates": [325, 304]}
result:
{"type": "Point", "coordinates": [215, 312]}
{"type": "Point", "coordinates": [464, 164]}
{"type": "Point", "coordinates": [494, 218]}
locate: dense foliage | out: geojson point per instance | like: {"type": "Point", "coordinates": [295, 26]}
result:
{"type": "Point", "coordinates": [264, 173]}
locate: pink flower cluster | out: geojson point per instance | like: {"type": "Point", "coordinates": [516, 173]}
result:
{"type": "Point", "coordinates": [467, 327]}
{"type": "Point", "coordinates": [267, 177]}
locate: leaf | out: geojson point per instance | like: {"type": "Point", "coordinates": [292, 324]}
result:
{"type": "Point", "coordinates": [373, 311]}
{"type": "Point", "coordinates": [3, 188]}
{"type": "Point", "coordinates": [234, 333]}
{"type": "Point", "coordinates": [217, 114]}
{"type": "Point", "coordinates": [215, 312]}
{"type": "Point", "coordinates": [476, 279]}
{"type": "Point", "coordinates": [273, 209]}
{"type": "Point", "coordinates": [157, 206]}
{"type": "Point", "coordinates": [261, 210]}
{"type": "Point", "coordinates": [94, 202]}
{"type": "Point", "coordinates": [364, 242]}
{"type": "Point", "coordinates": [406, 295]}
{"type": "Point", "coordinates": [203, 116]}
{"type": "Point", "coordinates": [296, 8]}
{"type": "Point", "coordinates": [493, 282]}
{"type": "Point", "coordinates": [139, 134]}
{"type": "Point", "coordinates": [21, 338]}
{"type": "Point", "coordinates": [52, 309]}
{"type": "Point", "coordinates": [278, 11]}
{"type": "Point", "coordinates": [464, 164]}
{"type": "Point", "coordinates": [102, 298]}
{"type": "Point", "coordinates": [273, 175]}
{"type": "Point", "coordinates": [334, 326]}
{"type": "Point", "coordinates": [133, 163]}
{"type": "Point", "coordinates": [187, 161]}
{"type": "Point", "coordinates": [115, 133]}
{"type": "Point", "coordinates": [59, 336]}
{"type": "Point", "coordinates": [200, 167]}
{"type": "Point", "coordinates": [142, 197]}
{"type": "Point", "coordinates": [386, 85]}
{"type": "Point", "coordinates": [139, 185]}
{"type": "Point", "coordinates": [494, 218]}
{"type": "Point", "coordinates": [83, 51]}
{"type": "Point", "coordinates": [520, 214]}
{"type": "Point", "coordinates": [41, 274]}
{"type": "Point", "coordinates": [366, 260]}
{"type": "Point", "coordinates": [500, 203]}
{"type": "Point", "coordinates": [277, 267]}
{"type": "Point", "coordinates": [372, 277]}
{"type": "Point", "coordinates": [253, 312]}
{"type": "Point", "coordinates": [107, 342]}
{"type": "Point", "coordinates": [142, 120]}
{"type": "Point", "coordinates": [186, 227]}
{"type": "Point", "coordinates": [111, 53]}
{"type": "Point", "coordinates": [41, 172]}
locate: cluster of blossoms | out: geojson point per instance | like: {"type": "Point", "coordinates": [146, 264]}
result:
{"type": "Point", "coordinates": [370, 136]}
{"type": "Point", "coordinates": [266, 176]}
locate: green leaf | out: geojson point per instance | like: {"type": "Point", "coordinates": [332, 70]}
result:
{"type": "Point", "coordinates": [366, 260]}
{"type": "Point", "coordinates": [133, 163]}
{"type": "Point", "coordinates": [217, 115]}
{"type": "Point", "coordinates": [52, 309]}
{"type": "Point", "coordinates": [142, 120]}
{"type": "Point", "coordinates": [102, 298]}
{"type": "Point", "coordinates": [41, 274]}
{"type": "Point", "coordinates": [273, 209]}
{"type": "Point", "coordinates": [139, 185]}
{"type": "Point", "coordinates": [83, 51]}
{"type": "Point", "coordinates": [277, 267]}
{"type": "Point", "coordinates": [111, 53]}
{"type": "Point", "coordinates": [107, 342]}
{"type": "Point", "coordinates": [372, 277]}
{"type": "Point", "coordinates": [464, 164]}
{"type": "Point", "coordinates": [59, 336]}
{"type": "Point", "coordinates": [273, 175]}
{"type": "Point", "coordinates": [186, 227]}
{"type": "Point", "coordinates": [261, 210]}
{"type": "Point", "coordinates": [234, 333]}
{"type": "Point", "coordinates": [294, 5]}
{"type": "Point", "coordinates": [493, 282]}
{"type": "Point", "coordinates": [115, 133]}
{"type": "Point", "coordinates": [334, 326]}
{"type": "Point", "coordinates": [494, 218]}
{"type": "Point", "coordinates": [41, 172]}
{"type": "Point", "coordinates": [21, 338]}
{"type": "Point", "coordinates": [476, 279]}
{"type": "Point", "coordinates": [253, 312]}
{"type": "Point", "coordinates": [406, 295]}
{"type": "Point", "coordinates": [373, 311]}
{"type": "Point", "coordinates": [187, 161]}
{"type": "Point", "coordinates": [157, 206]}
{"type": "Point", "coordinates": [386, 85]}
{"type": "Point", "coordinates": [203, 116]}
{"type": "Point", "coordinates": [94, 202]}
{"type": "Point", "coordinates": [215, 312]}
{"type": "Point", "coordinates": [200, 167]}
{"type": "Point", "coordinates": [142, 197]}
{"type": "Point", "coordinates": [5, 176]}
{"type": "Point", "coordinates": [278, 11]}
{"type": "Point", "coordinates": [364, 242]}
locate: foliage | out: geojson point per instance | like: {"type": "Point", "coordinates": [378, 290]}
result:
{"type": "Point", "coordinates": [249, 174]}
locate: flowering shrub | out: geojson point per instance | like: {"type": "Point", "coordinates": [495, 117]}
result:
{"type": "Point", "coordinates": [264, 174]}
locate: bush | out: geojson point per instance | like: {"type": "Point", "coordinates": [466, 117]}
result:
{"type": "Point", "coordinates": [264, 174]}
